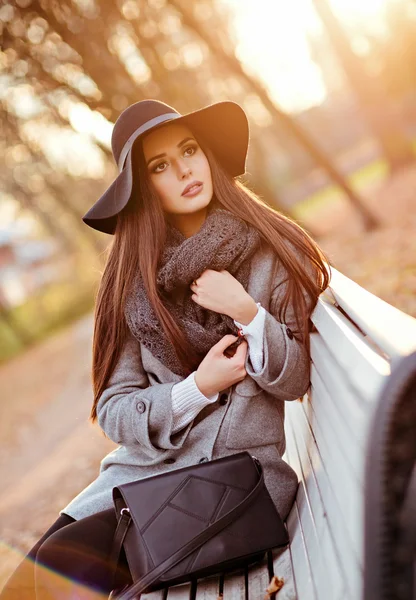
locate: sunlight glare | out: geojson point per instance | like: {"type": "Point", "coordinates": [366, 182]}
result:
{"type": "Point", "coordinates": [360, 9]}
{"type": "Point", "coordinates": [273, 43]}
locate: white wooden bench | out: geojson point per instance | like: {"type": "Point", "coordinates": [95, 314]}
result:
{"type": "Point", "coordinates": [343, 440]}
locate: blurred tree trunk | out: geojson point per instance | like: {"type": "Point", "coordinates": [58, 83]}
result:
{"type": "Point", "coordinates": [379, 115]}
{"type": "Point", "coordinates": [369, 220]}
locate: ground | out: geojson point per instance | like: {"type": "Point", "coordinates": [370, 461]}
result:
{"type": "Point", "coordinates": [383, 261]}
{"type": "Point", "coordinates": [50, 451]}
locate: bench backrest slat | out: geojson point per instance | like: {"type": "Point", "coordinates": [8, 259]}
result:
{"type": "Point", "coordinates": [391, 329]}
{"type": "Point", "coordinates": [311, 527]}
{"type": "Point", "coordinates": [350, 350]}
{"type": "Point", "coordinates": [333, 427]}
{"type": "Point", "coordinates": [348, 402]}
{"type": "Point", "coordinates": [316, 486]}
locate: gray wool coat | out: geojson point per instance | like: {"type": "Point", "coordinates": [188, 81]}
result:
{"type": "Point", "coordinates": [135, 410]}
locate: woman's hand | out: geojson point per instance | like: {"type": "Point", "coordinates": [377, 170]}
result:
{"type": "Point", "coordinates": [221, 292]}
{"type": "Point", "coordinates": [217, 371]}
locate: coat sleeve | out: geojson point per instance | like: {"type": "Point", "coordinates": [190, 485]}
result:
{"type": "Point", "coordinates": [285, 372]}
{"type": "Point", "coordinates": [130, 411]}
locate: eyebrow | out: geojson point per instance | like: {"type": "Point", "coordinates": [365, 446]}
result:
{"type": "Point", "coordinates": [187, 139]}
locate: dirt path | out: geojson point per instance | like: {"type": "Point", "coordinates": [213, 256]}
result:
{"type": "Point", "coordinates": [49, 451]}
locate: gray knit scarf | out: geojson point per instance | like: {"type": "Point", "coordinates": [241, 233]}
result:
{"type": "Point", "coordinates": [224, 241]}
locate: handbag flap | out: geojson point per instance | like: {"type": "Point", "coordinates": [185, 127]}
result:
{"type": "Point", "coordinates": [146, 497]}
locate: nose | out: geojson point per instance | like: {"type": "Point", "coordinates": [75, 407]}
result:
{"type": "Point", "coordinates": [183, 169]}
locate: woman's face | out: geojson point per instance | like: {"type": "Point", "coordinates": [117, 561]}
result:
{"type": "Point", "coordinates": [174, 160]}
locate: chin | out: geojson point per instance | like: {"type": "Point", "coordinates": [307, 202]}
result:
{"type": "Point", "coordinates": [197, 204]}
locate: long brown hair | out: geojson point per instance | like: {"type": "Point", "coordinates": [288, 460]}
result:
{"type": "Point", "coordinates": [138, 243]}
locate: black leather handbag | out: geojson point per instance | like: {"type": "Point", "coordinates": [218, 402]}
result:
{"type": "Point", "coordinates": [193, 522]}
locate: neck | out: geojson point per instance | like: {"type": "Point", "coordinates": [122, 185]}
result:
{"type": "Point", "coordinates": [188, 224]}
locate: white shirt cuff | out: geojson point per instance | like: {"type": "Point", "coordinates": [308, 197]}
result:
{"type": "Point", "coordinates": [188, 401]}
{"type": "Point", "coordinates": [253, 332]}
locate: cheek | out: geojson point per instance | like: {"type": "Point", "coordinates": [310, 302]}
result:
{"type": "Point", "coordinates": [163, 186]}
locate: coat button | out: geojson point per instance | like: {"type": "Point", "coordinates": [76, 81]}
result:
{"type": "Point", "coordinates": [141, 406]}
{"type": "Point", "coordinates": [169, 461]}
{"type": "Point", "coordinates": [223, 399]}
{"type": "Point", "coordinates": [289, 333]}
{"type": "Point", "coordinates": [204, 459]}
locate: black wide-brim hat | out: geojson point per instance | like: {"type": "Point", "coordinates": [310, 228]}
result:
{"type": "Point", "coordinates": [223, 125]}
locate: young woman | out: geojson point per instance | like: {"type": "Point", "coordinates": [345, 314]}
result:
{"type": "Point", "coordinates": [201, 329]}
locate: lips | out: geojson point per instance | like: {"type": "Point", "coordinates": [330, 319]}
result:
{"type": "Point", "coordinates": [191, 185]}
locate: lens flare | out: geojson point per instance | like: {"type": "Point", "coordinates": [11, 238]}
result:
{"type": "Point", "coordinates": [17, 576]}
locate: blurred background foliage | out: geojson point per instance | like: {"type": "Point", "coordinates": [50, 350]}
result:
{"type": "Point", "coordinates": [329, 87]}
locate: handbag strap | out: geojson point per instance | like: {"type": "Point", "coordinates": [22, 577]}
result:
{"type": "Point", "coordinates": [118, 540]}
{"type": "Point", "coordinates": [137, 588]}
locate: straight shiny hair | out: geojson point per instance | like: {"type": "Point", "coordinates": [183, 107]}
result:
{"type": "Point", "coordinates": [137, 247]}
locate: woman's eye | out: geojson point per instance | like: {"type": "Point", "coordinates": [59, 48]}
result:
{"type": "Point", "coordinates": [155, 170]}
{"type": "Point", "coordinates": [186, 152]}
{"type": "Point", "coordinates": [193, 148]}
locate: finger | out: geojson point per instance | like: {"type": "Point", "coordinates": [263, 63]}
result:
{"type": "Point", "coordinates": [226, 341]}
{"type": "Point", "coordinates": [241, 349]}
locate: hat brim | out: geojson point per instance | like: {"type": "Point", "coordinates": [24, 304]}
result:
{"type": "Point", "coordinates": [225, 129]}
{"type": "Point", "coordinates": [103, 214]}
